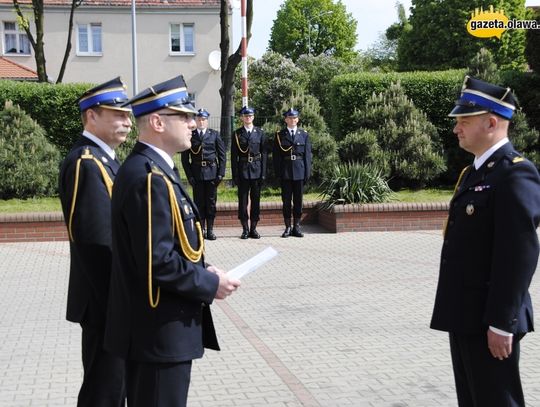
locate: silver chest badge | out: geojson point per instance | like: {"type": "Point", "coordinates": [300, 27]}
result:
{"type": "Point", "coordinates": [469, 209]}
{"type": "Point", "coordinates": [104, 159]}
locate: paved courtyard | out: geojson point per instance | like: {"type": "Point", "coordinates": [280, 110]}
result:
{"type": "Point", "coordinates": [334, 320]}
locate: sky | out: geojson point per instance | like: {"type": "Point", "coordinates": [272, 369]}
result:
{"type": "Point", "coordinates": [373, 16]}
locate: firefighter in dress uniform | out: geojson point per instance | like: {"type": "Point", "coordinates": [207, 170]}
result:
{"type": "Point", "coordinates": [159, 316]}
{"type": "Point", "coordinates": [248, 166]}
{"type": "Point", "coordinates": [204, 165]}
{"type": "Point", "coordinates": [85, 185]}
{"type": "Point", "coordinates": [292, 165]}
{"type": "Point", "coordinates": [490, 252]}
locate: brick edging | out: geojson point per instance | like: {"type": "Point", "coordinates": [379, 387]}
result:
{"type": "Point", "coordinates": [49, 226]}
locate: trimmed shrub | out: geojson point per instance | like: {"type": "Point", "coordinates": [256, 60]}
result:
{"type": "Point", "coordinates": [524, 138]}
{"type": "Point", "coordinates": [362, 146]}
{"type": "Point", "coordinates": [28, 161]}
{"type": "Point", "coordinates": [350, 183]}
{"type": "Point", "coordinates": [409, 142]}
{"type": "Point", "coordinates": [54, 107]}
{"type": "Point", "coordinates": [325, 155]}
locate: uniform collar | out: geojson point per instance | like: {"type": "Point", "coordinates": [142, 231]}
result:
{"type": "Point", "coordinates": [293, 129]}
{"type": "Point", "coordinates": [110, 152]}
{"type": "Point", "coordinates": [250, 129]}
{"type": "Point", "coordinates": [479, 161]}
{"type": "Point", "coordinates": [166, 157]}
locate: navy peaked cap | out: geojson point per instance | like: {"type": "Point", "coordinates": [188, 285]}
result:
{"type": "Point", "coordinates": [478, 97]}
{"type": "Point", "coordinates": [247, 110]}
{"type": "Point", "coordinates": [110, 95]}
{"type": "Point", "coordinates": [202, 113]}
{"type": "Point", "coordinates": [171, 94]}
{"type": "Point", "coordinates": [291, 113]}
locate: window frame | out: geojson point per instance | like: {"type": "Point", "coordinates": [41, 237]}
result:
{"type": "Point", "coordinates": [18, 32]}
{"type": "Point", "coordinates": [182, 40]}
{"type": "Point", "coordinates": [89, 38]}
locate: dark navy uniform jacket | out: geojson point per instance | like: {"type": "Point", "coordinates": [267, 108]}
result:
{"type": "Point", "coordinates": [490, 249]}
{"type": "Point", "coordinates": [294, 163]}
{"type": "Point", "coordinates": [206, 159]}
{"type": "Point", "coordinates": [248, 154]}
{"type": "Point", "coordinates": [181, 325]}
{"type": "Point", "coordinates": [91, 230]}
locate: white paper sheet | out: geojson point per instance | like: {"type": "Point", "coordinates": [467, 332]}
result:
{"type": "Point", "coordinates": [253, 264]}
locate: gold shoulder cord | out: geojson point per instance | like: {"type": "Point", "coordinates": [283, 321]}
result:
{"type": "Point", "coordinates": [238, 144]}
{"type": "Point", "coordinates": [280, 146]}
{"type": "Point", "coordinates": [192, 254]}
{"type": "Point", "coordinates": [106, 179]}
{"type": "Point", "coordinates": [196, 152]}
{"type": "Point", "coordinates": [455, 190]}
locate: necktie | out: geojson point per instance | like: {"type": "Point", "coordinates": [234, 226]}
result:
{"type": "Point", "coordinates": [292, 133]}
{"type": "Point", "coordinates": [200, 133]}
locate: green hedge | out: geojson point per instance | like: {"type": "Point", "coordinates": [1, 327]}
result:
{"type": "Point", "coordinates": [434, 93]}
{"type": "Point", "coordinates": [54, 107]}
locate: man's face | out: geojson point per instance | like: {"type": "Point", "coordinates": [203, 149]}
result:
{"type": "Point", "coordinates": [202, 122]}
{"type": "Point", "coordinates": [247, 119]}
{"type": "Point", "coordinates": [178, 129]}
{"type": "Point", "coordinates": [291, 121]}
{"type": "Point", "coordinates": [474, 133]}
{"type": "Point", "coordinates": [111, 126]}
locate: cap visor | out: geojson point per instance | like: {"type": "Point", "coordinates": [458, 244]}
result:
{"type": "Point", "coordinates": [458, 111]}
{"type": "Point", "coordinates": [186, 107]}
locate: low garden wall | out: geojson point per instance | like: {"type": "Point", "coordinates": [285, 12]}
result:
{"type": "Point", "coordinates": [25, 227]}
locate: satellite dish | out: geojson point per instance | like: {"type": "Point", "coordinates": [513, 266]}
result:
{"type": "Point", "coordinates": [214, 59]}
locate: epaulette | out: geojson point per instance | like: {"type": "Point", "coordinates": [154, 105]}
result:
{"type": "Point", "coordinates": [514, 157]}
{"type": "Point", "coordinates": [153, 168]}
{"type": "Point", "coordinates": [86, 154]}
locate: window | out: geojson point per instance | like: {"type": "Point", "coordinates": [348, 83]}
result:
{"type": "Point", "coordinates": [15, 39]}
{"type": "Point", "coordinates": [89, 39]}
{"type": "Point", "coordinates": [182, 39]}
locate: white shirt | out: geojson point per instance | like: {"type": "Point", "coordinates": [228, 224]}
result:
{"type": "Point", "coordinates": [110, 152]}
{"type": "Point", "coordinates": [250, 129]}
{"type": "Point", "coordinates": [293, 129]}
{"type": "Point", "coordinates": [478, 161]}
{"type": "Point", "coordinates": [162, 154]}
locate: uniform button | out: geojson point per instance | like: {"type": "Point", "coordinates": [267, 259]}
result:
{"type": "Point", "coordinates": [451, 223]}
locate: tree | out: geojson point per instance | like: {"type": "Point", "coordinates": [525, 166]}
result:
{"type": "Point", "coordinates": [438, 38]}
{"type": "Point", "coordinates": [484, 67]}
{"type": "Point", "coordinates": [274, 78]}
{"type": "Point", "coordinates": [313, 27]}
{"type": "Point", "coordinates": [320, 70]}
{"type": "Point", "coordinates": [408, 142]}
{"type": "Point", "coordinates": [37, 42]}
{"type": "Point", "coordinates": [228, 65]}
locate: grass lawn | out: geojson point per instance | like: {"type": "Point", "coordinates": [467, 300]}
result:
{"type": "Point", "coordinates": [227, 195]}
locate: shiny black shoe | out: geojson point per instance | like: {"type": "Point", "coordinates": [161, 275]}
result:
{"type": "Point", "coordinates": [296, 232]}
{"type": "Point", "coordinates": [254, 234]}
{"type": "Point", "coordinates": [245, 234]}
{"type": "Point", "coordinates": [287, 232]}
{"type": "Point", "coordinates": [210, 235]}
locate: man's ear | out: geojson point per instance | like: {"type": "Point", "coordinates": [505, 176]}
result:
{"type": "Point", "coordinates": [493, 122]}
{"type": "Point", "coordinates": [156, 123]}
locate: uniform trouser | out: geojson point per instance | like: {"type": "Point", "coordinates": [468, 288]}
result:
{"type": "Point", "coordinates": [158, 384]}
{"type": "Point", "coordinates": [251, 188]}
{"type": "Point", "coordinates": [292, 190]}
{"type": "Point", "coordinates": [481, 379]}
{"type": "Point", "coordinates": [104, 374]}
{"type": "Point", "coordinates": [204, 195]}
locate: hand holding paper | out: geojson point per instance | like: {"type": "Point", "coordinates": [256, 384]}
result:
{"type": "Point", "coordinates": [252, 264]}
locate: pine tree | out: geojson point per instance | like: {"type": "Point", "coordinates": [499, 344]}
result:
{"type": "Point", "coordinates": [28, 161]}
{"type": "Point", "coordinates": [408, 141]}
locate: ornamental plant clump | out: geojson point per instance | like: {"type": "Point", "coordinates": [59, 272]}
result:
{"type": "Point", "coordinates": [28, 161]}
{"type": "Point", "coordinates": [354, 183]}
